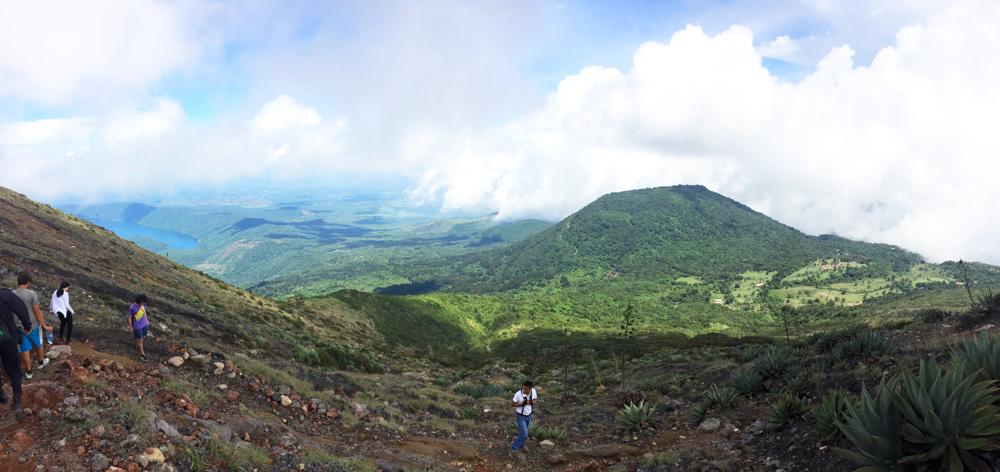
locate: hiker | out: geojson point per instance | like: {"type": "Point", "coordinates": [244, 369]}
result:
{"type": "Point", "coordinates": [523, 403]}
{"type": "Point", "coordinates": [33, 341]}
{"type": "Point", "coordinates": [10, 339]}
{"type": "Point", "coordinates": [60, 307]}
{"type": "Point", "coordinates": [138, 322]}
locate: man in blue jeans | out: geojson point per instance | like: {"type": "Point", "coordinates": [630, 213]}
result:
{"type": "Point", "coordinates": [523, 403]}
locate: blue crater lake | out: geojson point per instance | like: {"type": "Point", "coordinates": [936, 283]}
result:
{"type": "Point", "coordinates": [131, 231]}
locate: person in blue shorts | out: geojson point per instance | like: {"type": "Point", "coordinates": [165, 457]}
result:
{"type": "Point", "coordinates": [138, 319]}
{"type": "Point", "coordinates": [33, 341]}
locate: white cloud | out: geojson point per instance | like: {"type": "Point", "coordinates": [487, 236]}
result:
{"type": "Point", "coordinates": [783, 47]}
{"type": "Point", "coordinates": [155, 145]}
{"type": "Point", "coordinates": [903, 150]}
{"type": "Point", "coordinates": [59, 52]}
{"type": "Point", "coordinates": [283, 114]}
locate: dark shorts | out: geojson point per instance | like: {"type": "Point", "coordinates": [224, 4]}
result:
{"type": "Point", "coordinates": [141, 332]}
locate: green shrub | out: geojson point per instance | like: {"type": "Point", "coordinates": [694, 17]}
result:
{"type": "Point", "coordinates": [868, 342]}
{"type": "Point", "coordinates": [636, 417]}
{"type": "Point", "coordinates": [721, 396]}
{"type": "Point", "coordinates": [786, 410]}
{"type": "Point", "coordinates": [625, 394]}
{"type": "Point", "coordinates": [746, 381]}
{"type": "Point", "coordinates": [831, 410]}
{"type": "Point", "coordinates": [932, 315]}
{"type": "Point", "coordinates": [873, 427]}
{"type": "Point", "coordinates": [948, 417]}
{"type": "Point", "coordinates": [307, 355]}
{"type": "Point", "coordinates": [554, 433]}
{"type": "Point", "coordinates": [988, 304]}
{"type": "Point", "coordinates": [698, 411]}
{"type": "Point", "coordinates": [839, 354]}
{"type": "Point", "coordinates": [931, 420]}
{"type": "Point", "coordinates": [480, 391]}
{"type": "Point", "coordinates": [798, 385]}
{"type": "Point", "coordinates": [773, 362]}
{"type": "Point", "coordinates": [749, 353]}
{"type": "Point", "coordinates": [824, 341]}
{"type": "Point", "coordinates": [979, 353]}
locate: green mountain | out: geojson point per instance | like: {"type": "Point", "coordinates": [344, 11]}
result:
{"type": "Point", "coordinates": [663, 234]}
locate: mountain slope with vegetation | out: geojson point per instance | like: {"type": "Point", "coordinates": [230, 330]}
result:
{"type": "Point", "coordinates": [358, 381]}
{"type": "Point", "coordinates": [663, 233]}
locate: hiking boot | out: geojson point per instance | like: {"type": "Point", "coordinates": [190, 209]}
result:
{"type": "Point", "coordinates": [28, 375]}
{"type": "Point", "coordinates": [3, 397]}
{"type": "Point", "coordinates": [43, 364]}
{"type": "Point", "coordinates": [17, 408]}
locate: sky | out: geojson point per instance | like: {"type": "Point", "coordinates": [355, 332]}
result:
{"type": "Point", "coordinates": [875, 120]}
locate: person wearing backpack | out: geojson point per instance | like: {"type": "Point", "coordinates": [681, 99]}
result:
{"type": "Point", "coordinates": [10, 340]}
{"type": "Point", "coordinates": [33, 342]}
{"type": "Point", "coordinates": [523, 402]}
{"type": "Point", "coordinates": [60, 307]}
{"type": "Point", "coordinates": [138, 319]}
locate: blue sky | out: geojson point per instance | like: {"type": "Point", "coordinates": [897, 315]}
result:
{"type": "Point", "coordinates": [813, 111]}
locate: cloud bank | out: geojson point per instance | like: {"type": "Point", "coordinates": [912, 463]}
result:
{"type": "Point", "coordinates": [895, 144]}
{"type": "Point", "coordinates": [904, 150]}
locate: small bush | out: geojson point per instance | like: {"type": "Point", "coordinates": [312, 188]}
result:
{"type": "Point", "coordinates": [798, 385]}
{"type": "Point", "coordinates": [697, 412]}
{"type": "Point", "coordinates": [929, 421]}
{"type": "Point", "coordinates": [873, 427]}
{"type": "Point", "coordinates": [636, 417]}
{"type": "Point", "coordinates": [979, 353]}
{"type": "Point", "coordinates": [626, 394]}
{"type": "Point", "coordinates": [721, 396]}
{"type": "Point", "coordinates": [307, 355]}
{"type": "Point", "coordinates": [786, 410]}
{"type": "Point", "coordinates": [554, 433]}
{"type": "Point", "coordinates": [746, 381]}
{"type": "Point", "coordinates": [134, 416]}
{"type": "Point", "coordinates": [870, 342]}
{"type": "Point", "coordinates": [824, 341]}
{"type": "Point", "coordinates": [932, 315]}
{"type": "Point", "coordinates": [988, 304]}
{"type": "Point", "coordinates": [831, 410]}
{"type": "Point", "coordinates": [773, 362]}
{"type": "Point", "coordinates": [480, 391]}
{"type": "Point", "coordinates": [948, 417]}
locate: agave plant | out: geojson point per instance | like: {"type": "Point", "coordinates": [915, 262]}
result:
{"type": "Point", "coordinates": [746, 381]}
{"type": "Point", "coordinates": [786, 410]}
{"type": "Point", "coordinates": [556, 433]}
{"type": "Point", "coordinates": [772, 363]}
{"type": "Point", "coordinates": [873, 427]}
{"type": "Point", "coordinates": [636, 417]}
{"type": "Point", "coordinates": [980, 353]}
{"type": "Point", "coordinates": [698, 411]}
{"type": "Point", "coordinates": [868, 342]}
{"type": "Point", "coordinates": [831, 409]}
{"type": "Point", "coordinates": [624, 394]}
{"type": "Point", "coordinates": [798, 385]}
{"type": "Point", "coordinates": [721, 396]}
{"type": "Point", "coordinates": [948, 417]}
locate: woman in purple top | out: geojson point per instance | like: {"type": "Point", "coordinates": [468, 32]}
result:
{"type": "Point", "coordinates": [138, 320]}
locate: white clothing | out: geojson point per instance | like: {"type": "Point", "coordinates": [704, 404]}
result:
{"type": "Point", "coordinates": [520, 397]}
{"type": "Point", "coordinates": [60, 304]}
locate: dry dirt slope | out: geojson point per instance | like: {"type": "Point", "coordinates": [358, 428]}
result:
{"type": "Point", "coordinates": [106, 273]}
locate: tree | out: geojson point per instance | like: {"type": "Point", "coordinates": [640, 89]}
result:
{"type": "Point", "coordinates": [965, 280]}
{"type": "Point", "coordinates": [627, 330]}
{"type": "Point", "coordinates": [790, 319]}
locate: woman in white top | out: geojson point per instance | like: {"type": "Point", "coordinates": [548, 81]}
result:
{"type": "Point", "coordinates": [60, 307]}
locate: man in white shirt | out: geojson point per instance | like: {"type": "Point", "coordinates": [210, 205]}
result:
{"type": "Point", "coordinates": [523, 402]}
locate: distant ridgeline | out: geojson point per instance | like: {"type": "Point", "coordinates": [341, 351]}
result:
{"type": "Point", "coordinates": [686, 244]}
{"type": "Point", "coordinates": [663, 234]}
